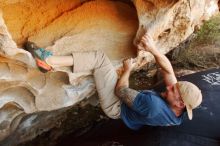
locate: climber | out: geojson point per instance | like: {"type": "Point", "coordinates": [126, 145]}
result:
{"type": "Point", "coordinates": [152, 108]}
{"type": "Point", "coordinates": [116, 98]}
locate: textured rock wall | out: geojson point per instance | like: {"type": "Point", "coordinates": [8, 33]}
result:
{"type": "Point", "coordinates": [24, 18]}
{"type": "Point", "coordinates": [171, 21]}
{"type": "Point", "coordinates": [63, 26]}
{"type": "Point", "coordinates": [95, 25]}
{"type": "Point", "coordinates": [68, 26]}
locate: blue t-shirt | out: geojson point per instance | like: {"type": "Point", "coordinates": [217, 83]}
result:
{"type": "Point", "coordinates": [148, 109]}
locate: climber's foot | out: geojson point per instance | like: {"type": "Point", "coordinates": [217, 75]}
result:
{"type": "Point", "coordinates": [40, 54]}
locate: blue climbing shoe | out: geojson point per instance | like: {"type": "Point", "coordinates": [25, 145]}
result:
{"type": "Point", "coordinates": [40, 54]}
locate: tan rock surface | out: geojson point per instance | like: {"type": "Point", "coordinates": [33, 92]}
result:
{"type": "Point", "coordinates": [96, 25]}
{"type": "Point", "coordinates": [171, 21]}
{"type": "Point", "coordinates": [24, 90]}
{"type": "Point", "coordinates": [25, 18]}
{"type": "Point", "coordinates": [63, 26]}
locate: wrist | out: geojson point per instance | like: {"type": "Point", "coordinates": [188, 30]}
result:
{"type": "Point", "coordinates": [154, 51]}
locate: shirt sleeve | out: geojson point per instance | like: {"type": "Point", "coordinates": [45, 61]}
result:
{"type": "Point", "coordinates": [144, 104]}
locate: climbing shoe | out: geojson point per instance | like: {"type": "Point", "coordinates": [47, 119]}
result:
{"type": "Point", "coordinates": [40, 54]}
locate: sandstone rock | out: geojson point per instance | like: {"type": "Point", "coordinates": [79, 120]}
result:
{"type": "Point", "coordinates": [25, 18]}
{"type": "Point", "coordinates": [26, 90]}
{"type": "Point", "coordinates": [66, 26]}
{"type": "Point", "coordinates": [171, 21]}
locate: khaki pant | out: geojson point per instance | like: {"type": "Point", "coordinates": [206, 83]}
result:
{"type": "Point", "coordinates": [105, 78]}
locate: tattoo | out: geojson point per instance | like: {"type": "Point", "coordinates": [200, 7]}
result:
{"type": "Point", "coordinates": [127, 95]}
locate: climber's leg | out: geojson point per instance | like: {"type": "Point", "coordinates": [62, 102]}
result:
{"type": "Point", "coordinates": [59, 61]}
{"type": "Point", "coordinates": [105, 78]}
{"type": "Point", "coordinates": [104, 73]}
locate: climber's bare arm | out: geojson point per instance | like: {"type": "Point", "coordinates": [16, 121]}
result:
{"type": "Point", "coordinates": [122, 90]}
{"type": "Point", "coordinates": [148, 44]}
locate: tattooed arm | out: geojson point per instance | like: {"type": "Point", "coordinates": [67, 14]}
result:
{"type": "Point", "coordinates": [127, 95]}
{"type": "Point", "coordinates": [122, 89]}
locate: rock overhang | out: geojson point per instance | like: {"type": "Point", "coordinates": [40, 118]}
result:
{"type": "Point", "coordinates": [62, 27]}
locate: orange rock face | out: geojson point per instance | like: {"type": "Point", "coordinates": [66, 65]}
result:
{"type": "Point", "coordinates": [25, 18]}
{"type": "Point", "coordinates": [64, 26]}
{"type": "Point", "coordinates": [105, 25]}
